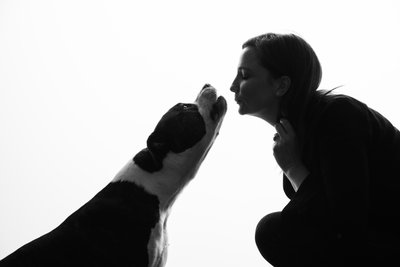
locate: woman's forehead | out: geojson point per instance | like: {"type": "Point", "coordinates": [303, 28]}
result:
{"type": "Point", "coordinates": [249, 59]}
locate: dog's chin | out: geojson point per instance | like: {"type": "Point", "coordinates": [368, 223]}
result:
{"type": "Point", "coordinates": [218, 109]}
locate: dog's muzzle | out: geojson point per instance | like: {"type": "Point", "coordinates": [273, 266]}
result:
{"type": "Point", "coordinates": [208, 98]}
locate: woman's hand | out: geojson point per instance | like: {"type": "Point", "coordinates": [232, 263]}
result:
{"type": "Point", "coordinates": [287, 153]}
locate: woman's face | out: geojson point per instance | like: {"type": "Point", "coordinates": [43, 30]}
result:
{"type": "Point", "coordinates": [255, 89]}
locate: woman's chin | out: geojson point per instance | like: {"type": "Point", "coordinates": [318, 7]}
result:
{"type": "Point", "coordinates": [242, 110]}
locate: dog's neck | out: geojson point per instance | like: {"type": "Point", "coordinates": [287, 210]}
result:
{"type": "Point", "coordinates": [166, 184]}
{"type": "Point", "coordinates": [177, 171]}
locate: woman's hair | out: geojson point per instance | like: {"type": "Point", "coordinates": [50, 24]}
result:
{"type": "Point", "coordinates": [290, 55]}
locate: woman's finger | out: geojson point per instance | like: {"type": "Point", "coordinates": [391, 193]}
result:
{"type": "Point", "coordinates": [276, 137]}
{"type": "Point", "coordinates": [280, 130]}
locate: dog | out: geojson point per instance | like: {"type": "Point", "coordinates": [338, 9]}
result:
{"type": "Point", "coordinates": [125, 223]}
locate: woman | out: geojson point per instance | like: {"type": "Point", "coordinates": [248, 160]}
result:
{"type": "Point", "coordinates": [340, 161]}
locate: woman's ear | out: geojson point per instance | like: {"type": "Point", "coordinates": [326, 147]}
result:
{"type": "Point", "coordinates": [284, 85]}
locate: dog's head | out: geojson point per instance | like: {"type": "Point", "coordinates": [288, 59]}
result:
{"type": "Point", "coordinates": [183, 127]}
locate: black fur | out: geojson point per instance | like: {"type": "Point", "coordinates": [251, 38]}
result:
{"type": "Point", "coordinates": [179, 129]}
{"type": "Point", "coordinates": [112, 229]}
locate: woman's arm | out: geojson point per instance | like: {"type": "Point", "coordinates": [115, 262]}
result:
{"type": "Point", "coordinates": [287, 154]}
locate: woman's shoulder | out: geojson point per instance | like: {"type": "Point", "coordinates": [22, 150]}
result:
{"type": "Point", "coordinates": [342, 114]}
{"type": "Point", "coordinates": [326, 102]}
{"type": "Point", "coordinates": [338, 112]}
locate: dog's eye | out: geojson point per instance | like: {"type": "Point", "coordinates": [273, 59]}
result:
{"type": "Point", "coordinates": [185, 107]}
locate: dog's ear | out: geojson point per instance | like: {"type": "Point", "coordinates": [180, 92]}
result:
{"type": "Point", "coordinates": [146, 160]}
{"type": "Point", "coordinates": [150, 159]}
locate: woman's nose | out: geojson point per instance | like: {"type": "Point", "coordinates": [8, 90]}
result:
{"type": "Point", "coordinates": [234, 87]}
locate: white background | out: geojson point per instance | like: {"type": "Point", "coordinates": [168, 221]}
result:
{"type": "Point", "coordinates": [83, 83]}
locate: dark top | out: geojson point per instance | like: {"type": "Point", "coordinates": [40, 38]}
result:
{"type": "Point", "coordinates": [353, 155]}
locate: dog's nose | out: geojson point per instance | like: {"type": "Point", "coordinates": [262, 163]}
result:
{"type": "Point", "coordinates": [206, 85]}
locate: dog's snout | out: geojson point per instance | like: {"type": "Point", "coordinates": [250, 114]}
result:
{"type": "Point", "coordinates": [207, 94]}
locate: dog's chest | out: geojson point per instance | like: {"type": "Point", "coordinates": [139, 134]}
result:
{"type": "Point", "coordinates": [158, 244]}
